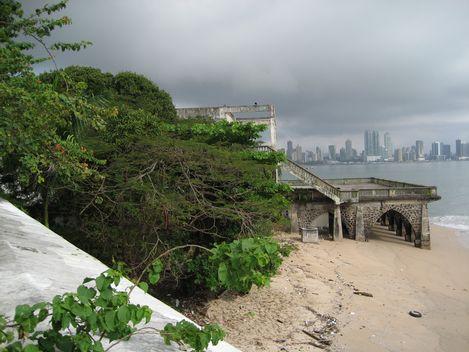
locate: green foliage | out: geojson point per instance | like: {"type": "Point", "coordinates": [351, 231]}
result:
{"type": "Point", "coordinates": [79, 321]}
{"type": "Point", "coordinates": [40, 151]}
{"type": "Point", "coordinates": [126, 91]}
{"type": "Point", "coordinates": [32, 29]}
{"type": "Point", "coordinates": [98, 83]}
{"type": "Point", "coordinates": [92, 312]}
{"type": "Point", "coordinates": [265, 157]}
{"type": "Point", "coordinates": [242, 263]}
{"type": "Point", "coordinates": [177, 192]}
{"type": "Point", "coordinates": [187, 333]}
{"type": "Point", "coordinates": [220, 132]}
{"type": "Point", "coordinates": [139, 92]}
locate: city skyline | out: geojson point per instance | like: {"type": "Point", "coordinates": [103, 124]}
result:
{"type": "Point", "coordinates": [358, 142]}
{"type": "Point", "coordinates": [378, 149]}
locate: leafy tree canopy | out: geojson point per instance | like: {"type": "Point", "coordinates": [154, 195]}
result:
{"type": "Point", "coordinates": [126, 90]}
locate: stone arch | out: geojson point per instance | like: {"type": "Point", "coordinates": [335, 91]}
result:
{"type": "Point", "coordinates": [309, 213]}
{"type": "Point", "coordinates": [412, 213]}
{"type": "Point", "coordinates": [409, 213]}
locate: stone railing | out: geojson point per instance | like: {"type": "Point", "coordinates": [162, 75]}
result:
{"type": "Point", "coordinates": [307, 177]}
{"type": "Point", "coordinates": [420, 192]}
{"type": "Point", "coordinates": [331, 188]}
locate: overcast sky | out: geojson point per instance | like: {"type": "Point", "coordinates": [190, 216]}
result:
{"type": "Point", "coordinates": [331, 68]}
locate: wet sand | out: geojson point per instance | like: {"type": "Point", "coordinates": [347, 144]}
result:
{"type": "Point", "coordinates": [314, 296]}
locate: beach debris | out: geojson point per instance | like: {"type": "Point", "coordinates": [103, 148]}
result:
{"type": "Point", "coordinates": [415, 314]}
{"type": "Point", "coordinates": [318, 345]}
{"type": "Point", "coordinates": [280, 340]}
{"type": "Point", "coordinates": [362, 293]}
{"type": "Point", "coordinates": [318, 337]}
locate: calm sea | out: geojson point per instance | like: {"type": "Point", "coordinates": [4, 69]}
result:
{"type": "Point", "coordinates": [451, 178]}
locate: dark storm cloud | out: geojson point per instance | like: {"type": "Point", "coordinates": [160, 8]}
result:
{"type": "Point", "coordinates": [332, 68]}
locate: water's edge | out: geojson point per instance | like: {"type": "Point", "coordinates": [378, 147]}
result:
{"type": "Point", "coordinates": [456, 222]}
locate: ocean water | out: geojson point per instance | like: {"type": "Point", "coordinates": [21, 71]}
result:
{"type": "Point", "coordinates": [451, 178]}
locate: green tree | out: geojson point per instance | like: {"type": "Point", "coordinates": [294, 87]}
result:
{"type": "Point", "coordinates": [40, 151]}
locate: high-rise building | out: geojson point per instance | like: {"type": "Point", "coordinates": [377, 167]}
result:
{"type": "Point", "coordinates": [310, 156]}
{"type": "Point", "coordinates": [296, 154]}
{"type": "Point", "coordinates": [332, 152]}
{"type": "Point", "coordinates": [388, 151]}
{"type": "Point", "coordinates": [446, 151]}
{"type": "Point", "coordinates": [413, 153]}
{"type": "Point", "coordinates": [368, 143]}
{"type": "Point", "coordinates": [465, 152]}
{"type": "Point", "coordinates": [436, 150]}
{"type": "Point", "coordinates": [348, 150]}
{"type": "Point", "coordinates": [459, 148]}
{"type": "Point", "coordinates": [343, 154]}
{"type": "Point", "coordinates": [419, 150]}
{"type": "Point", "coordinates": [290, 150]}
{"type": "Point", "coordinates": [398, 155]}
{"type": "Point", "coordinates": [319, 154]}
{"type": "Point", "coordinates": [372, 145]}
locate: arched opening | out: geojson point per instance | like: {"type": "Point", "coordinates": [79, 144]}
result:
{"type": "Point", "coordinates": [393, 226]}
{"type": "Point", "coordinates": [325, 224]}
{"type": "Point", "coordinates": [347, 231]}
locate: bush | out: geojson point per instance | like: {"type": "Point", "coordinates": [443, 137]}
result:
{"type": "Point", "coordinates": [240, 264]}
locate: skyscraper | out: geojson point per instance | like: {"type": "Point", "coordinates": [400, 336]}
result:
{"type": "Point", "coordinates": [419, 150]}
{"type": "Point", "coordinates": [319, 154]}
{"type": "Point", "coordinates": [343, 156]}
{"type": "Point", "coordinates": [446, 151]}
{"type": "Point", "coordinates": [371, 143]}
{"type": "Point", "coordinates": [332, 152]}
{"type": "Point", "coordinates": [459, 148]}
{"type": "Point", "coordinates": [368, 143]}
{"type": "Point", "coordinates": [436, 150]}
{"type": "Point", "coordinates": [398, 155]}
{"type": "Point", "coordinates": [387, 146]}
{"type": "Point", "coordinates": [290, 150]}
{"type": "Point", "coordinates": [348, 150]}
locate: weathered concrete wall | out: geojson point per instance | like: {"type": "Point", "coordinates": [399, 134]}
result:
{"type": "Point", "coordinates": [36, 264]}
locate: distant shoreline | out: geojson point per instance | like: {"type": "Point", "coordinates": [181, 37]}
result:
{"type": "Point", "coordinates": [379, 162]}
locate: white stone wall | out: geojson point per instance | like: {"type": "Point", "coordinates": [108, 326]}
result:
{"type": "Point", "coordinates": [36, 264]}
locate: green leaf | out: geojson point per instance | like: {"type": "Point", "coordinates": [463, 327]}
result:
{"type": "Point", "coordinates": [87, 279]}
{"type": "Point", "coordinates": [100, 282]}
{"type": "Point", "coordinates": [109, 319]}
{"type": "Point", "coordinates": [271, 247]}
{"type": "Point", "coordinates": [153, 278]}
{"type": "Point", "coordinates": [85, 294]}
{"type": "Point", "coordinates": [223, 273]}
{"type": "Point", "coordinates": [123, 314]}
{"type": "Point", "coordinates": [144, 286]}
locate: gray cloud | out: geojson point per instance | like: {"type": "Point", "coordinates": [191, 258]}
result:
{"type": "Point", "coordinates": [332, 68]}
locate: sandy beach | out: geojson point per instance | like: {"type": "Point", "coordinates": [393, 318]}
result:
{"type": "Point", "coordinates": [311, 304]}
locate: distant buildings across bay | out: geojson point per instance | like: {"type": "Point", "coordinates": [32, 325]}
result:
{"type": "Point", "coordinates": [378, 150]}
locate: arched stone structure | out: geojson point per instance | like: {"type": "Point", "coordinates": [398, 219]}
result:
{"type": "Point", "coordinates": [367, 214]}
{"type": "Point", "coordinates": [303, 214]}
{"type": "Point", "coordinates": [309, 212]}
{"type": "Point", "coordinates": [359, 218]}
